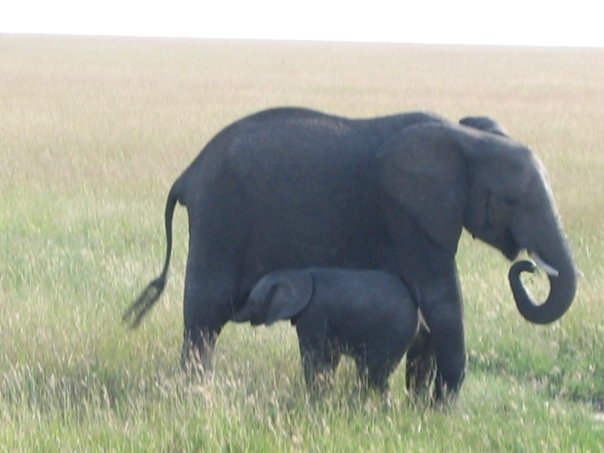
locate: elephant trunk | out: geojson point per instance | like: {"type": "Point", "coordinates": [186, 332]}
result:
{"type": "Point", "coordinates": [559, 266]}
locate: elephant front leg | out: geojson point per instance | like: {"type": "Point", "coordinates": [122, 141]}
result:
{"type": "Point", "coordinates": [421, 365]}
{"type": "Point", "coordinates": [445, 344]}
{"type": "Point", "coordinates": [445, 320]}
{"type": "Point", "coordinates": [319, 362]}
{"type": "Point", "coordinates": [449, 350]}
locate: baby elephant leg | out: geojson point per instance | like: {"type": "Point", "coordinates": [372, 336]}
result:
{"type": "Point", "coordinates": [375, 377]}
{"type": "Point", "coordinates": [375, 368]}
{"type": "Point", "coordinates": [385, 351]}
{"type": "Point", "coordinates": [319, 361]}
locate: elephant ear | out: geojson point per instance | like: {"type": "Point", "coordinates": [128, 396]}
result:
{"type": "Point", "coordinates": [422, 170]}
{"type": "Point", "coordinates": [289, 295]}
{"type": "Point", "coordinates": [485, 124]}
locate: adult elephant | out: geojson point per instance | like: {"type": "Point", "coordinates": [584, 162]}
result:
{"type": "Point", "coordinates": [295, 188]}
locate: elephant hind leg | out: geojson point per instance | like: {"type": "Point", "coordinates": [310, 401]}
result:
{"type": "Point", "coordinates": [197, 349]}
{"type": "Point", "coordinates": [378, 365]}
{"type": "Point", "coordinates": [207, 308]}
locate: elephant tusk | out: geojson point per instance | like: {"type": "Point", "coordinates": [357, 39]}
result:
{"type": "Point", "coordinates": [549, 270]}
{"type": "Point", "coordinates": [422, 320]}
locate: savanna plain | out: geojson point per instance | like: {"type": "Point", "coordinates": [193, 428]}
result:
{"type": "Point", "coordinates": [93, 131]}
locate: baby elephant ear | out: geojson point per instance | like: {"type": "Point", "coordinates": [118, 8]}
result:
{"type": "Point", "coordinates": [290, 294]}
{"type": "Point", "coordinates": [484, 123]}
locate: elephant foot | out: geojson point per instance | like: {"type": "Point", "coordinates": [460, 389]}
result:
{"type": "Point", "coordinates": [447, 386]}
{"type": "Point", "coordinates": [196, 355]}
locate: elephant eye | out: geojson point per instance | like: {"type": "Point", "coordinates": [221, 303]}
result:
{"type": "Point", "coordinates": [510, 201]}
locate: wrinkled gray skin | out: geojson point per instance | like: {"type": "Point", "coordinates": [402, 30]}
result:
{"type": "Point", "coordinates": [294, 188]}
{"type": "Point", "coordinates": [368, 315]}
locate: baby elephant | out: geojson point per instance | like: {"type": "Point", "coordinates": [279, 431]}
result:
{"type": "Point", "coordinates": [368, 315]}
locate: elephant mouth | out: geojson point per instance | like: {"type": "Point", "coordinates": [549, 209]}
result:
{"type": "Point", "coordinates": [543, 265]}
{"type": "Point", "coordinates": [502, 240]}
{"type": "Point", "coordinates": [508, 246]}
{"type": "Point", "coordinates": [511, 249]}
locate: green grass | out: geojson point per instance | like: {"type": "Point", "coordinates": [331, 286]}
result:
{"type": "Point", "coordinates": [92, 133]}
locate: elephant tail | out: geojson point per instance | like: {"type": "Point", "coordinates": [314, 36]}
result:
{"type": "Point", "coordinates": [145, 301]}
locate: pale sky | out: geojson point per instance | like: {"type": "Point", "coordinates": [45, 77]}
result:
{"type": "Point", "coordinates": [507, 22]}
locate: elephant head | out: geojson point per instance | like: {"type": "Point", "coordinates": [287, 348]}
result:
{"type": "Point", "coordinates": [449, 176]}
{"type": "Point", "coordinates": [277, 296]}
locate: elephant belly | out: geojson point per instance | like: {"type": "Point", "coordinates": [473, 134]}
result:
{"type": "Point", "coordinates": [356, 248]}
{"type": "Point", "coordinates": [271, 250]}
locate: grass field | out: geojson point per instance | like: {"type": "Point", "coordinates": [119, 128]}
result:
{"type": "Point", "coordinates": [92, 133]}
